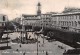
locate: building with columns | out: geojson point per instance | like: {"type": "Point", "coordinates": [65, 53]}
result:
{"type": "Point", "coordinates": [67, 21]}
{"type": "Point", "coordinates": [46, 20]}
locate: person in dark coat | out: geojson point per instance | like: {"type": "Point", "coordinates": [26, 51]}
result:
{"type": "Point", "coordinates": [20, 45]}
{"type": "Point", "coordinates": [46, 53]}
{"type": "Point", "coordinates": [24, 53]}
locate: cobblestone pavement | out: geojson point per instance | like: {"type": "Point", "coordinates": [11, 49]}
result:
{"type": "Point", "coordinates": [31, 49]}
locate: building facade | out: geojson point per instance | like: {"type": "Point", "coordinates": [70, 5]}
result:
{"type": "Point", "coordinates": [46, 20]}
{"type": "Point", "coordinates": [32, 20]}
{"type": "Point", "coordinates": [3, 20]}
{"type": "Point", "coordinates": [67, 21]}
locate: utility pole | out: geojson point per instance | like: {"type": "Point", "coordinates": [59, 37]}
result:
{"type": "Point", "coordinates": [7, 36]}
{"type": "Point", "coordinates": [37, 37]}
{"type": "Point", "coordinates": [37, 44]}
{"type": "Point", "coordinates": [7, 39]}
{"type": "Point", "coordinates": [42, 31]}
{"type": "Point", "coordinates": [21, 29]}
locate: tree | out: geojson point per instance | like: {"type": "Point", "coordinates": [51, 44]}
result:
{"type": "Point", "coordinates": [9, 26]}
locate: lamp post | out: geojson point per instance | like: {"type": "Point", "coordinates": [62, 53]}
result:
{"type": "Point", "coordinates": [21, 30]}
{"type": "Point", "coordinates": [7, 36]}
{"type": "Point", "coordinates": [7, 39]}
{"type": "Point", "coordinates": [42, 30]}
{"type": "Point", "coordinates": [37, 44]}
{"type": "Point", "coordinates": [37, 37]}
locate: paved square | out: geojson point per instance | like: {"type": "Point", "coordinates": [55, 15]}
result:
{"type": "Point", "coordinates": [31, 49]}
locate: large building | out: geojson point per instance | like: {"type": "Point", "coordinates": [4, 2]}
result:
{"type": "Point", "coordinates": [32, 20]}
{"type": "Point", "coordinates": [67, 21]}
{"type": "Point", "coordinates": [39, 19]}
{"type": "Point", "coordinates": [46, 20]}
{"type": "Point", "coordinates": [3, 21]}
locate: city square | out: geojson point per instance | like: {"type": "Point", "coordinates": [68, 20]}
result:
{"type": "Point", "coordinates": [52, 28]}
{"type": "Point", "coordinates": [31, 49]}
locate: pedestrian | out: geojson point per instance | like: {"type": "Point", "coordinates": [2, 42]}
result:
{"type": "Point", "coordinates": [39, 45]}
{"type": "Point", "coordinates": [65, 51]}
{"type": "Point", "coordinates": [42, 45]}
{"type": "Point", "coordinates": [17, 50]}
{"type": "Point", "coordinates": [24, 53]}
{"type": "Point", "coordinates": [46, 53]}
{"type": "Point", "coordinates": [20, 45]}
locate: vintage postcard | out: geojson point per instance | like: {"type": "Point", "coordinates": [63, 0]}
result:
{"type": "Point", "coordinates": [39, 27]}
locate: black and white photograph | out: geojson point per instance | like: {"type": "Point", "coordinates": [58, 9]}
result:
{"type": "Point", "coordinates": [39, 27]}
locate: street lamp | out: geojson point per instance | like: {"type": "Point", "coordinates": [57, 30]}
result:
{"type": "Point", "coordinates": [37, 37]}
{"type": "Point", "coordinates": [7, 36]}
{"type": "Point", "coordinates": [7, 39]}
{"type": "Point", "coordinates": [42, 31]}
{"type": "Point", "coordinates": [37, 44]}
{"type": "Point", "coordinates": [21, 29]}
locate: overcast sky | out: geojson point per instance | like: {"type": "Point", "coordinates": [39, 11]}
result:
{"type": "Point", "coordinates": [14, 8]}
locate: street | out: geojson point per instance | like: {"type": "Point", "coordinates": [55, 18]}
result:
{"type": "Point", "coordinates": [31, 49]}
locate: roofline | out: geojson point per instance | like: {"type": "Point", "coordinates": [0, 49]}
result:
{"type": "Point", "coordinates": [71, 13]}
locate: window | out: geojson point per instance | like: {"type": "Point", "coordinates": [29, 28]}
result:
{"type": "Point", "coordinates": [79, 17]}
{"type": "Point", "coordinates": [3, 18]}
{"type": "Point", "coordinates": [70, 17]}
{"type": "Point", "coordinates": [49, 20]}
{"type": "Point", "coordinates": [72, 23]}
{"type": "Point", "coordinates": [67, 23]}
{"type": "Point", "coordinates": [75, 23]}
{"type": "Point", "coordinates": [46, 24]}
{"type": "Point", "coordinates": [2, 24]}
{"type": "Point", "coordinates": [76, 16]}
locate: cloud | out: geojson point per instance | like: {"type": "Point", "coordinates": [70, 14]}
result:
{"type": "Point", "coordinates": [14, 8]}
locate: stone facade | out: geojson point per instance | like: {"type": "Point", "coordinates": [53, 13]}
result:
{"type": "Point", "coordinates": [3, 20]}
{"type": "Point", "coordinates": [68, 21]}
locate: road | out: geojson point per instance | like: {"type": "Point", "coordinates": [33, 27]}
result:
{"type": "Point", "coordinates": [31, 49]}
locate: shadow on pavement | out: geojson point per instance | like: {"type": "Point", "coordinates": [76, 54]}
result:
{"type": "Point", "coordinates": [5, 47]}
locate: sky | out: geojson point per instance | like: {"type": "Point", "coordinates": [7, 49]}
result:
{"type": "Point", "coordinates": [14, 8]}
